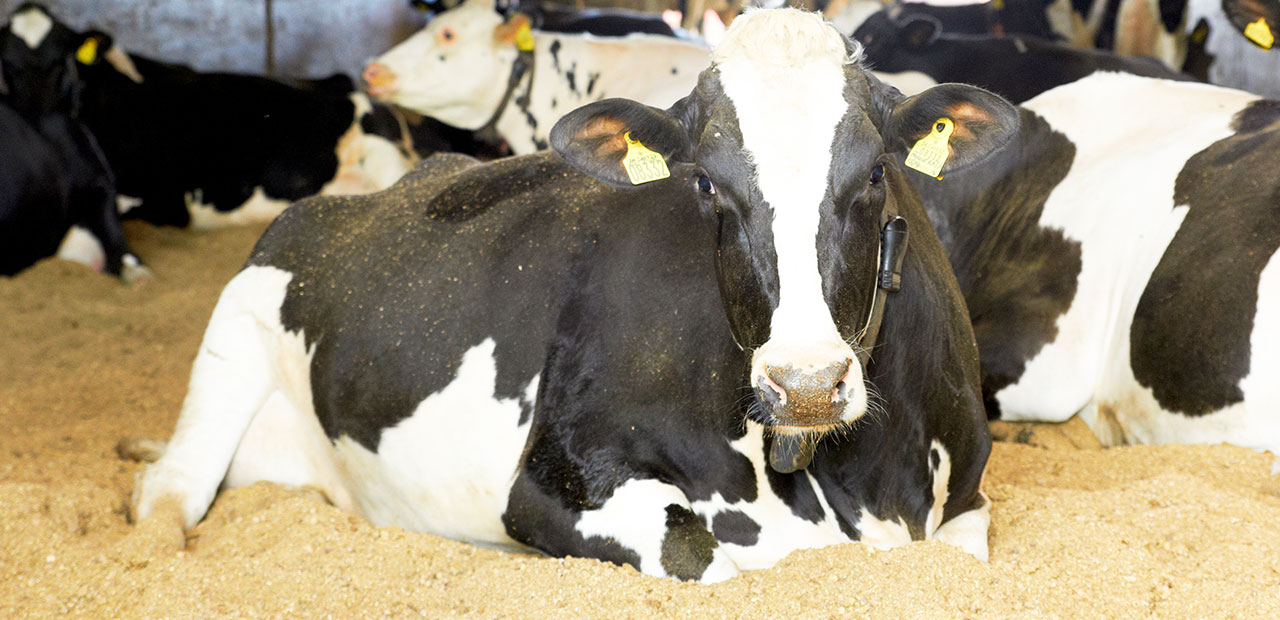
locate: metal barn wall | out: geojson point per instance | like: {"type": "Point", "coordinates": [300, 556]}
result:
{"type": "Point", "coordinates": [313, 38]}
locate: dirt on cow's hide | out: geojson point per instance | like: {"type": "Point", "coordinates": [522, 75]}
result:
{"type": "Point", "coordinates": [1077, 531]}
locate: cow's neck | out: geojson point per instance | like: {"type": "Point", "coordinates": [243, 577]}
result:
{"type": "Point", "coordinates": [1017, 276]}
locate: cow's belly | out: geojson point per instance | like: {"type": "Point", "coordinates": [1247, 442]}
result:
{"type": "Point", "coordinates": [1124, 411]}
{"type": "Point", "coordinates": [447, 469]}
{"type": "Point", "coordinates": [1117, 203]}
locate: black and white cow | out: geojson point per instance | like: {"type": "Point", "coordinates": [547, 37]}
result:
{"type": "Point", "coordinates": [52, 174]}
{"type": "Point", "coordinates": [517, 355]}
{"type": "Point", "coordinates": [466, 69]}
{"type": "Point", "coordinates": [209, 149]}
{"type": "Point", "coordinates": [1016, 67]}
{"type": "Point", "coordinates": [553, 17]}
{"type": "Point", "coordinates": [1119, 261]}
{"type": "Point", "coordinates": [1006, 17]}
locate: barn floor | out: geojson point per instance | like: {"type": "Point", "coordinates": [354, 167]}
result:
{"type": "Point", "coordinates": [1161, 532]}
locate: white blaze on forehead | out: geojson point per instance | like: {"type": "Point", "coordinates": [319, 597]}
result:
{"type": "Point", "coordinates": [31, 25]}
{"type": "Point", "coordinates": [784, 72]}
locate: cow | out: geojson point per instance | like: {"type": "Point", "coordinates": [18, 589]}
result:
{"type": "Point", "coordinates": [552, 17]}
{"type": "Point", "coordinates": [1246, 62]}
{"type": "Point", "coordinates": [471, 69]}
{"type": "Point", "coordinates": [671, 342]}
{"type": "Point", "coordinates": [1119, 261]}
{"type": "Point", "coordinates": [210, 149]}
{"type": "Point", "coordinates": [1007, 17]}
{"type": "Point", "coordinates": [1016, 67]}
{"type": "Point", "coordinates": [55, 178]}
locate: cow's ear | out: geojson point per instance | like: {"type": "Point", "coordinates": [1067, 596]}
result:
{"type": "Point", "coordinates": [1257, 20]}
{"type": "Point", "coordinates": [512, 31]}
{"type": "Point", "coordinates": [966, 122]}
{"type": "Point", "coordinates": [598, 136]}
{"type": "Point", "coordinates": [918, 31]}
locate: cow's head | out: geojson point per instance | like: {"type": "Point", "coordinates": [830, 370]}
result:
{"type": "Point", "coordinates": [455, 69]}
{"type": "Point", "coordinates": [44, 61]}
{"type": "Point", "coordinates": [36, 57]}
{"type": "Point", "coordinates": [792, 147]}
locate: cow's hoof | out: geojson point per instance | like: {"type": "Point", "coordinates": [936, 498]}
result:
{"type": "Point", "coordinates": [160, 534]}
{"type": "Point", "coordinates": [136, 275]}
{"type": "Point", "coordinates": [140, 450]}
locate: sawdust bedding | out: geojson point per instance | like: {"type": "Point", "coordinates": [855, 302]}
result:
{"type": "Point", "coordinates": [1077, 531]}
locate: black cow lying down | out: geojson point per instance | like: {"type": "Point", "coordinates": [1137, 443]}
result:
{"type": "Point", "coordinates": [517, 355]}
{"type": "Point", "coordinates": [53, 177]}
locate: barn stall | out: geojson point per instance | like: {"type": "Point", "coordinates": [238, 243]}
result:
{"type": "Point", "coordinates": [1077, 530]}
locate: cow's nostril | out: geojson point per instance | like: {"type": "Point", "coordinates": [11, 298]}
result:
{"type": "Point", "coordinates": [840, 392]}
{"type": "Point", "coordinates": [770, 392]}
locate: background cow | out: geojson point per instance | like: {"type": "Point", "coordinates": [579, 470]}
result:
{"type": "Point", "coordinates": [53, 174]}
{"type": "Point", "coordinates": [1119, 261]}
{"type": "Point", "coordinates": [517, 355]}
{"type": "Point", "coordinates": [1015, 66]}
{"type": "Point", "coordinates": [218, 148]}
{"type": "Point", "coordinates": [465, 68]}
{"type": "Point", "coordinates": [553, 17]}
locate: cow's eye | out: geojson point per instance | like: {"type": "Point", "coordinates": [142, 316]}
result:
{"type": "Point", "coordinates": [704, 184]}
{"type": "Point", "coordinates": [877, 174]}
{"type": "Point", "coordinates": [447, 34]}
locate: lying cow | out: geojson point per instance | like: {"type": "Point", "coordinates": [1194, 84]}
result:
{"type": "Point", "coordinates": [1007, 17]}
{"type": "Point", "coordinates": [53, 174]}
{"type": "Point", "coordinates": [468, 69]}
{"type": "Point", "coordinates": [516, 355]}
{"type": "Point", "coordinates": [216, 148]}
{"type": "Point", "coordinates": [1119, 261]}
{"type": "Point", "coordinates": [1016, 67]}
{"type": "Point", "coordinates": [553, 17]}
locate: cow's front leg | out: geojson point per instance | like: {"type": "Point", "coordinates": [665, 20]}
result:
{"type": "Point", "coordinates": [644, 522]}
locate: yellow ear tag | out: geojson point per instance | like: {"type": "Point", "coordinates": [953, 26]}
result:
{"type": "Point", "coordinates": [88, 52]}
{"type": "Point", "coordinates": [524, 38]}
{"type": "Point", "coordinates": [642, 164]}
{"type": "Point", "coordinates": [1260, 33]}
{"type": "Point", "coordinates": [930, 152]}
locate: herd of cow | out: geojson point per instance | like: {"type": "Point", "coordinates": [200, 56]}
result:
{"type": "Point", "coordinates": [721, 305]}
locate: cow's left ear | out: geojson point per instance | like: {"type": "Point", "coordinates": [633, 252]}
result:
{"type": "Point", "coordinates": [598, 136]}
{"type": "Point", "coordinates": [1257, 20]}
{"type": "Point", "coordinates": [966, 122]}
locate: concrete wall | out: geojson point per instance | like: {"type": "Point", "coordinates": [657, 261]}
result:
{"type": "Point", "coordinates": [313, 38]}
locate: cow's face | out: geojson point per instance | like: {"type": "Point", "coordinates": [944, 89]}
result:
{"type": "Point", "coordinates": [792, 149]}
{"type": "Point", "coordinates": [455, 69]}
{"type": "Point", "coordinates": [36, 57]}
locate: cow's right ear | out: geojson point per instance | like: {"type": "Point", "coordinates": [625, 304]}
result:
{"type": "Point", "coordinates": [596, 137]}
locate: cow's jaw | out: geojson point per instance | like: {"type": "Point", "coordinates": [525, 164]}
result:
{"type": "Point", "coordinates": [790, 100]}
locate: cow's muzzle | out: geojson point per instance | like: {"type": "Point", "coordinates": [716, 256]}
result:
{"type": "Point", "coordinates": [381, 80]}
{"type": "Point", "coordinates": [804, 401]}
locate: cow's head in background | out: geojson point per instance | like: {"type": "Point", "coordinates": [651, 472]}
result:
{"type": "Point", "coordinates": [40, 77]}
{"type": "Point", "coordinates": [792, 148]}
{"type": "Point", "coordinates": [448, 67]}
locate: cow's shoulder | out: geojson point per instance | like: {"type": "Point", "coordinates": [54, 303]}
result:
{"type": "Point", "coordinates": [1190, 338]}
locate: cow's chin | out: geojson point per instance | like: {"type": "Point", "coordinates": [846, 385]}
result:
{"type": "Point", "coordinates": [793, 444]}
